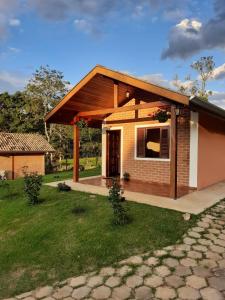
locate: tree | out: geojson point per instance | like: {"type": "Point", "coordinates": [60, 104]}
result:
{"type": "Point", "coordinates": [43, 91]}
{"type": "Point", "coordinates": [204, 67]}
{"type": "Point", "coordinates": [14, 114]}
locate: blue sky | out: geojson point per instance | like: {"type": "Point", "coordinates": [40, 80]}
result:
{"type": "Point", "coordinates": [153, 39]}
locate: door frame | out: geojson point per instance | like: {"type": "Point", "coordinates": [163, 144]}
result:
{"type": "Point", "coordinates": [121, 150]}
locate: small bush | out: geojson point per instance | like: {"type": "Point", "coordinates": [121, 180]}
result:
{"type": "Point", "coordinates": [78, 210]}
{"type": "Point", "coordinates": [120, 216]}
{"type": "Point", "coordinates": [32, 186]}
{"type": "Point", "coordinates": [81, 168]}
{"type": "Point", "coordinates": [126, 176]}
{"type": "Point", "coordinates": [62, 187]}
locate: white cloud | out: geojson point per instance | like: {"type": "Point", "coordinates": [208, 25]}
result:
{"type": "Point", "coordinates": [138, 11]}
{"type": "Point", "coordinates": [219, 72]}
{"type": "Point", "coordinates": [14, 22]}
{"type": "Point", "coordinates": [191, 36]}
{"type": "Point", "coordinates": [218, 98]}
{"type": "Point", "coordinates": [156, 78]}
{"type": "Point", "coordinates": [186, 84]}
{"type": "Point", "coordinates": [14, 50]}
{"type": "Point", "coordinates": [12, 81]}
{"type": "Point", "coordinates": [187, 24]}
{"type": "Point", "coordinates": [7, 10]}
{"type": "Point", "coordinates": [87, 27]}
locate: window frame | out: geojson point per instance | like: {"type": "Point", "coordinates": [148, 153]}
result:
{"type": "Point", "coordinates": [157, 125]}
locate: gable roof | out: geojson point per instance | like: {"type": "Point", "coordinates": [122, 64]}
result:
{"type": "Point", "coordinates": [95, 91]}
{"type": "Point", "coordinates": [23, 142]}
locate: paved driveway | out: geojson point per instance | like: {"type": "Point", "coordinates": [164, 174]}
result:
{"type": "Point", "coordinates": [192, 269]}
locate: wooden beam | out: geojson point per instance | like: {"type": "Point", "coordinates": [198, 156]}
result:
{"type": "Point", "coordinates": [75, 153]}
{"type": "Point", "coordinates": [131, 120]}
{"type": "Point", "coordinates": [173, 153]}
{"type": "Point", "coordinates": [121, 109]}
{"type": "Point", "coordinates": [116, 94]}
{"type": "Point", "coordinates": [136, 111]}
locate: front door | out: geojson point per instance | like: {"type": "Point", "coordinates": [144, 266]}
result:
{"type": "Point", "coordinates": [113, 153]}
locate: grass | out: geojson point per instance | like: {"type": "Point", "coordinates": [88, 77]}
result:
{"type": "Point", "coordinates": [63, 175]}
{"type": "Point", "coordinates": [70, 233]}
{"type": "Point", "coordinates": [87, 162]}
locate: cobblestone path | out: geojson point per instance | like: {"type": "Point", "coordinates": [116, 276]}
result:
{"type": "Point", "coordinates": [192, 270]}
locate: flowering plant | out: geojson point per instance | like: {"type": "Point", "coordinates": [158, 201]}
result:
{"type": "Point", "coordinates": [162, 115]}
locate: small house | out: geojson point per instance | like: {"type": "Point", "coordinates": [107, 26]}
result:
{"type": "Point", "coordinates": [169, 143]}
{"type": "Point", "coordinates": [22, 151]}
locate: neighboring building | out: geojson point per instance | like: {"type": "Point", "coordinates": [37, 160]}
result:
{"type": "Point", "coordinates": [185, 152]}
{"type": "Point", "coordinates": [22, 150]}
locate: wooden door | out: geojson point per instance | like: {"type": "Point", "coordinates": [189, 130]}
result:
{"type": "Point", "coordinates": [113, 153]}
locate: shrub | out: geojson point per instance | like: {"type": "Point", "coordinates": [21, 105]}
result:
{"type": "Point", "coordinates": [32, 186]}
{"type": "Point", "coordinates": [62, 187]}
{"type": "Point", "coordinates": [126, 176]}
{"type": "Point", "coordinates": [78, 210]}
{"type": "Point", "coordinates": [81, 168]}
{"type": "Point", "coordinates": [120, 216]}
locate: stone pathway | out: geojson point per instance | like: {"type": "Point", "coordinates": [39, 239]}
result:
{"type": "Point", "coordinates": [194, 269]}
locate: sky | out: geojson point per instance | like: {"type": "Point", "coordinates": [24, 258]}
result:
{"type": "Point", "coordinates": [152, 39]}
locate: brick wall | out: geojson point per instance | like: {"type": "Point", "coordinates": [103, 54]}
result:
{"type": "Point", "coordinates": [152, 170]}
{"type": "Point", "coordinates": [183, 149]}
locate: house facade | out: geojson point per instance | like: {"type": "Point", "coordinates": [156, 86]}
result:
{"type": "Point", "coordinates": [200, 148]}
{"type": "Point", "coordinates": [21, 152]}
{"type": "Point", "coordinates": [183, 151]}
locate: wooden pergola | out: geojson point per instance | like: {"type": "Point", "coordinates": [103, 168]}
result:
{"type": "Point", "coordinates": [103, 92]}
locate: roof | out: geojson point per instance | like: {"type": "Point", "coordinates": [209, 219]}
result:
{"type": "Point", "coordinates": [23, 143]}
{"type": "Point", "coordinates": [208, 107]}
{"type": "Point", "coordinates": [96, 91]}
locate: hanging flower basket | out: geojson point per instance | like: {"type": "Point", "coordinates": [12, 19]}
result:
{"type": "Point", "coordinates": [162, 115]}
{"type": "Point", "coordinates": [82, 123]}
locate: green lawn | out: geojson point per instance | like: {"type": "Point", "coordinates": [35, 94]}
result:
{"type": "Point", "coordinates": [69, 174]}
{"type": "Point", "coordinates": [87, 162]}
{"type": "Point", "coordinates": [47, 242]}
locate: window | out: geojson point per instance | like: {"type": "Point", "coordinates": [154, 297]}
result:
{"type": "Point", "coordinates": [153, 142]}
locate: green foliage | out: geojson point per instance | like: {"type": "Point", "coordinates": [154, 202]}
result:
{"type": "Point", "coordinates": [81, 168]}
{"type": "Point", "coordinates": [15, 115]}
{"type": "Point", "coordinates": [161, 115]}
{"type": "Point", "coordinates": [120, 216]}
{"type": "Point", "coordinates": [81, 123]}
{"type": "Point", "coordinates": [32, 187]}
{"type": "Point", "coordinates": [90, 142]}
{"type": "Point", "coordinates": [126, 176]}
{"type": "Point", "coordinates": [63, 187]}
{"type": "Point", "coordinates": [78, 210]}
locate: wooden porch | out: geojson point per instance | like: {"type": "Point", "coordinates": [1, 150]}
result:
{"type": "Point", "coordinates": [138, 186]}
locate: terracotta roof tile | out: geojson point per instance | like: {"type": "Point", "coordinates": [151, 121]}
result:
{"type": "Point", "coordinates": [23, 142]}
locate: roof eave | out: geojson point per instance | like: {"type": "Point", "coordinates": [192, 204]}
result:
{"type": "Point", "coordinates": [208, 107]}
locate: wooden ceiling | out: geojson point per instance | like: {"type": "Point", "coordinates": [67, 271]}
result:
{"type": "Point", "coordinates": [96, 91]}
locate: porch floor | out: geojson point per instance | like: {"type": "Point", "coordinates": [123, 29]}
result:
{"type": "Point", "coordinates": [139, 186]}
{"type": "Point", "coordinates": [194, 203]}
